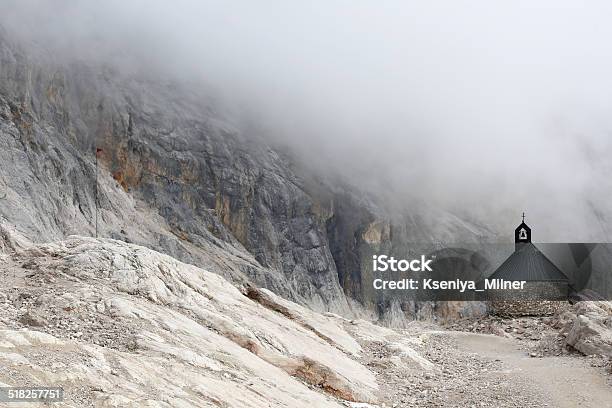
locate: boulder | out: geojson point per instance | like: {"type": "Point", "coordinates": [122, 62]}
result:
{"type": "Point", "coordinates": [591, 330]}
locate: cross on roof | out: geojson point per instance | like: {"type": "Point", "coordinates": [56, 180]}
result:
{"type": "Point", "coordinates": [523, 216]}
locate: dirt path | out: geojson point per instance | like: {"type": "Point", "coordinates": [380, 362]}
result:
{"type": "Point", "coordinates": [563, 381]}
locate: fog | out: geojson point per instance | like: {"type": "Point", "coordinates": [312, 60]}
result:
{"type": "Point", "coordinates": [483, 108]}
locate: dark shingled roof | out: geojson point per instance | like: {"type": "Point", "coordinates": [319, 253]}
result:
{"type": "Point", "coordinates": [529, 264]}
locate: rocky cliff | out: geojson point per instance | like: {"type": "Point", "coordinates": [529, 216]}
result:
{"type": "Point", "coordinates": [174, 174]}
{"type": "Point", "coordinates": [171, 175]}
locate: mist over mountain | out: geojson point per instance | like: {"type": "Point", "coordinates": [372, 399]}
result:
{"type": "Point", "coordinates": [90, 150]}
{"type": "Point", "coordinates": [287, 204]}
{"type": "Point", "coordinates": [298, 140]}
{"type": "Point", "coordinates": [489, 111]}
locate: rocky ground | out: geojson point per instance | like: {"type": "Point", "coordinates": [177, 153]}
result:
{"type": "Point", "coordinates": [447, 376]}
{"type": "Point", "coordinates": [119, 325]}
{"type": "Point", "coordinates": [574, 330]}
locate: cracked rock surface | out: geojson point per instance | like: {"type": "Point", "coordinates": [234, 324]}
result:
{"type": "Point", "coordinates": [120, 325]}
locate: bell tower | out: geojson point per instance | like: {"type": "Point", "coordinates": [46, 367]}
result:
{"type": "Point", "coordinates": [522, 235]}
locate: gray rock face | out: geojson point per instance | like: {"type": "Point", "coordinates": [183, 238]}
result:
{"type": "Point", "coordinates": [175, 175]}
{"type": "Point", "coordinates": [172, 175]}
